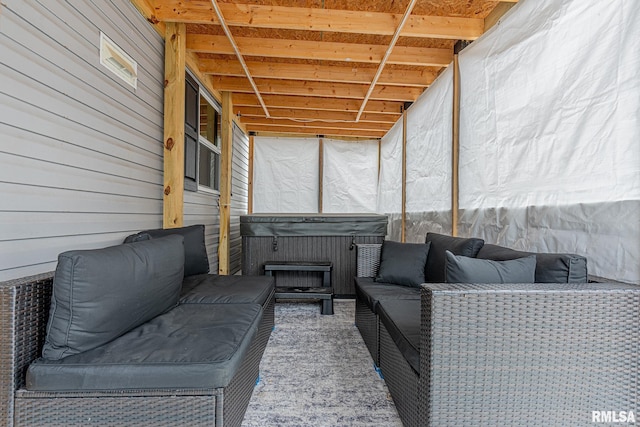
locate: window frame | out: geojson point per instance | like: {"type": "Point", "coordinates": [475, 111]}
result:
{"type": "Point", "coordinates": [213, 147]}
{"type": "Point", "coordinates": [192, 157]}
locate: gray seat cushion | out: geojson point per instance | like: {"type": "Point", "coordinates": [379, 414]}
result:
{"type": "Point", "coordinates": [371, 292]}
{"type": "Point", "coordinates": [100, 294]}
{"type": "Point", "coordinates": [212, 288]}
{"type": "Point", "coordinates": [191, 346]}
{"type": "Point", "coordinates": [550, 268]}
{"type": "Point", "coordinates": [195, 249]}
{"type": "Point", "coordinates": [440, 243]}
{"type": "Point", "coordinates": [401, 318]}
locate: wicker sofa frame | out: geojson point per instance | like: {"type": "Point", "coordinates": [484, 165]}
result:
{"type": "Point", "coordinates": [514, 354]}
{"type": "Point", "coordinates": [24, 311]}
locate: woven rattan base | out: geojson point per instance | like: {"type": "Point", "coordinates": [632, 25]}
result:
{"type": "Point", "coordinates": [367, 324]}
{"type": "Point", "coordinates": [144, 408]}
{"type": "Point", "coordinates": [401, 379]}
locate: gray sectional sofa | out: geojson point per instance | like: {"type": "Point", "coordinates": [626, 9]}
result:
{"type": "Point", "coordinates": [136, 334]}
{"type": "Point", "coordinates": [465, 333]}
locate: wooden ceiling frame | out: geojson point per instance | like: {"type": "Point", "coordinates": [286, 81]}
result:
{"type": "Point", "coordinates": [321, 51]}
{"type": "Point", "coordinates": [329, 20]}
{"type": "Point", "coordinates": [386, 56]}
{"type": "Point", "coordinates": [238, 54]}
{"type": "Point", "coordinates": [326, 67]}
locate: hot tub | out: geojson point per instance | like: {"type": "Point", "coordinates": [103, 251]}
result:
{"type": "Point", "coordinates": [309, 237]}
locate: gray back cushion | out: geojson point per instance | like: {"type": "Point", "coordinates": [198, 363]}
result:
{"type": "Point", "coordinates": [403, 263]}
{"type": "Point", "coordinates": [461, 269]}
{"type": "Point", "coordinates": [550, 268]}
{"type": "Point", "coordinates": [100, 294]}
{"type": "Point", "coordinates": [195, 250]}
{"type": "Point", "coordinates": [440, 243]}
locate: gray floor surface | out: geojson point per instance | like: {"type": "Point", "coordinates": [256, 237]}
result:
{"type": "Point", "coordinates": [316, 371]}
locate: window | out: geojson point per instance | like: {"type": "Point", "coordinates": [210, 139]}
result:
{"type": "Point", "coordinates": [209, 159]}
{"type": "Point", "coordinates": [202, 139]}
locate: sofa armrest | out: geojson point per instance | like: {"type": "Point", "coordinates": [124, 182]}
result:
{"type": "Point", "coordinates": [539, 354]}
{"type": "Point", "coordinates": [24, 312]}
{"type": "Point", "coordinates": [368, 259]}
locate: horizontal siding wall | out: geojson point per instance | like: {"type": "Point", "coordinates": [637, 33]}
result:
{"type": "Point", "coordinates": [80, 150]}
{"type": "Point", "coordinates": [239, 195]}
{"type": "Point", "coordinates": [202, 208]}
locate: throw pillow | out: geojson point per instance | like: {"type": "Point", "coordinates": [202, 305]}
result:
{"type": "Point", "coordinates": [461, 269]}
{"type": "Point", "coordinates": [100, 294]}
{"type": "Point", "coordinates": [195, 249]}
{"type": "Point", "coordinates": [403, 263]}
{"type": "Point", "coordinates": [436, 262]}
{"type": "Point", "coordinates": [550, 267]}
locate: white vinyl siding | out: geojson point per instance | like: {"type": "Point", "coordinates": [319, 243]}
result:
{"type": "Point", "coordinates": [80, 150]}
{"type": "Point", "coordinates": [239, 195]}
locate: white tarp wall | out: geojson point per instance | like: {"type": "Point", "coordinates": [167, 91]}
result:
{"type": "Point", "coordinates": [549, 144]}
{"type": "Point", "coordinates": [429, 135]}
{"type": "Point", "coordinates": [350, 176]}
{"type": "Point", "coordinates": [428, 204]}
{"type": "Point", "coordinates": [390, 180]}
{"type": "Point", "coordinates": [550, 133]}
{"type": "Point", "coordinates": [286, 174]}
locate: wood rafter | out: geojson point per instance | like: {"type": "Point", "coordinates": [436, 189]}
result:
{"type": "Point", "coordinates": [366, 126]}
{"type": "Point", "coordinates": [317, 115]}
{"type": "Point", "coordinates": [315, 103]}
{"type": "Point", "coordinates": [320, 89]}
{"type": "Point", "coordinates": [325, 51]}
{"type": "Point", "coordinates": [311, 19]}
{"type": "Point", "coordinates": [321, 73]}
{"type": "Point", "coordinates": [319, 130]}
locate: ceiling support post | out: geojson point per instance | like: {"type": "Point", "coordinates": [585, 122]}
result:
{"type": "Point", "coordinates": [226, 160]}
{"type": "Point", "coordinates": [174, 87]}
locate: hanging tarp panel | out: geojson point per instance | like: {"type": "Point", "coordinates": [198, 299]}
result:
{"type": "Point", "coordinates": [286, 175]}
{"type": "Point", "coordinates": [350, 174]}
{"type": "Point", "coordinates": [550, 124]}
{"type": "Point", "coordinates": [390, 179]}
{"type": "Point", "coordinates": [429, 160]}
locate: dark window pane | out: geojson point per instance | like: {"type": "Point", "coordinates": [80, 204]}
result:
{"type": "Point", "coordinates": [205, 166]}
{"type": "Point", "coordinates": [191, 106]}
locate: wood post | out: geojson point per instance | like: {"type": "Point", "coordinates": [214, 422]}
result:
{"type": "Point", "coordinates": [455, 143]}
{"type": "Point", "coordinates": [250, 192]}
{"type": "Point", "coordinates": [226, 160]}
{"type": "Point", "coordinates": [379, 158]}
{"type": "Point", "coordinates": [320, 173]}
{"type": "Point", "coordinates": [403, 232]}
{"type": "Point", "coordinates": [174, 86]}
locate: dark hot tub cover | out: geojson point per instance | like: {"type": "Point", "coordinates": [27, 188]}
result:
{"type": "Point", "coordinates": [313, 225]}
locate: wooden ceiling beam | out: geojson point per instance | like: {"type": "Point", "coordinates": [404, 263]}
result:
{"type": "Point", "coordinates": [328, 51]}
{"type": "Point", "coordinates": [317, 115]}
{"type": "Point", "coordinates": [316, 103]}
{"type": "Point", "coordinates": [322, 73]}
{"type": "Point", "coordinates": [262, 129]}
{"type": "Point", "coordinates": [314, 19]}
{"type": "Point", "coordinates": [319, 89]}
{"type": "Point", "coordinates": [497, 13]}
{"type": "Point", "coordinates": [250, 121]}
